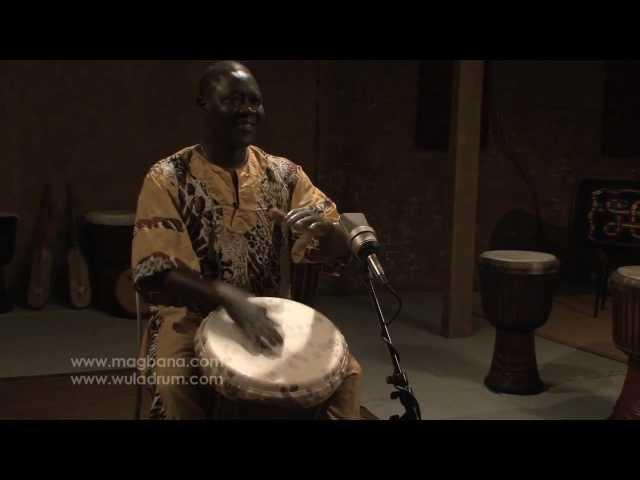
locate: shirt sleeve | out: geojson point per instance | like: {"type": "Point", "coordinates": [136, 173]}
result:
{"type": "Point", "coordinates": [306, 194]}
{"type": "Point", "coordinates": [160, 241]}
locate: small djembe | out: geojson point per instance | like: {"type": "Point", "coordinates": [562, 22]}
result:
{"type": "Point", "coordinates": [110, 234]}
{"type": "Point", "coordinates": [517, 295]}
{"type": "Point", "coordinates": [625, 295]}
{"type": "Point", "coordinates": [8, 231]}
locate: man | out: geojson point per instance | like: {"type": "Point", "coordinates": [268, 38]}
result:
{"type": "Point", "coordinates": [208, 234]}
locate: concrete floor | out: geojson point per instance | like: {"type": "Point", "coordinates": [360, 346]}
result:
{"type": "Point", "coordinates": [447, 375]}
{"type": "Point", "coordinates": [34, 343]}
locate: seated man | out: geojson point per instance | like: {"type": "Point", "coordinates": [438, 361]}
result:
{"type": "Point", "coordinates": [208, 234]}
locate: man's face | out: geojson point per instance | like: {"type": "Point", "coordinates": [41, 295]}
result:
{"type": "Point", "coordinates": [234, 108]}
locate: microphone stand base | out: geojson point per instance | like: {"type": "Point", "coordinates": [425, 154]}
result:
{"type": "Point", "coordinates": [398, 379]}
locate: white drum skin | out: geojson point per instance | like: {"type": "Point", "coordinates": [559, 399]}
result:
{"type": "Point", "coordinates": [520, 261]}
{"type": "Point", "coordinates": [302, 373]}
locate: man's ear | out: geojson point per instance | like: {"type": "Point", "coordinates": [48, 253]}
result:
{"type": "Point", "coordinates": [202, 103]}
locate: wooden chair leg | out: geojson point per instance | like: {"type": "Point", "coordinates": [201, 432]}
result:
{"type": "Point", "coordinates": [596, 294]}
{"type": "Point", "coordinates": [138, 406]}
{"type": "Point", "coordinates": [141, 340]}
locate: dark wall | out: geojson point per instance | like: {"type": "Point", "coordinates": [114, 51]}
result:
{"type": "Point", "coordinates": [102, 124]}
{"type": "Point", "coordinates": [369, 163]}
{"type": "Point", "coordinates": [352, 125]}
{"type": "Point", "coordinates": [552, 115]}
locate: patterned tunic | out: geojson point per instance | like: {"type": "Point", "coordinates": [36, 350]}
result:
{"type": "Point", "coordinates": [190, 215]}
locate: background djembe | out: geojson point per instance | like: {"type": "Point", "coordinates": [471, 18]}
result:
{"type": "Point", "coordinates": [8, 231]}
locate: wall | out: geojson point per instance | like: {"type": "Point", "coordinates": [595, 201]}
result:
{"type": "Point", "coordinates": [552, 115]}
{"type": "Point", "coordinates": [369, 163]}
{"type": "Point", "coordinates": [102, 124]}
{"type": "Point", "coordinates": [351, 124]}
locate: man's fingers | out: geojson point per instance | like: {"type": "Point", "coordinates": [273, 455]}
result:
{"type": "Point", "coordinates": [262, 342]}
{"type": "Point", "coordinates": [270, 339]}
{"type": "Point", "coordinates": [270, 332]}
{"type": "Point", "coordinates": [277, 215]}
{"type": "Point", "coordinates": [295, 215]}
{"type": "Point", "coordinates": [305, 222]}
{"type": "Point", "coordinates": [320, 228]}
{"type": "Point", "coordinates": [277, 338]}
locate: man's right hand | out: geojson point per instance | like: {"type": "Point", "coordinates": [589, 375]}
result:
{"type": "Point", "coordinates": [253, 320]}
{"type": "Point", "coordinates": [181, 288]}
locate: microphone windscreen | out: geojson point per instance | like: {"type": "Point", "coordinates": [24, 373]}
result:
{"type": "Point", "coordinates": [349, 221]}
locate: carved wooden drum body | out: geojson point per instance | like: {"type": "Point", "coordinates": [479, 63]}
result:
{"type": "Point", "coordinates": [517, 295]}
{"type": "Point", "coordinates": [8, 231]}
{"type": "Point", "coordinates": [110, 234]}
{"type": "Point", "coordinates": [625, 292]}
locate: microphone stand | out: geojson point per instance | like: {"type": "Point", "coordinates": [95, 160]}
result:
{"type": "Point", "coordinates": [398, 379]}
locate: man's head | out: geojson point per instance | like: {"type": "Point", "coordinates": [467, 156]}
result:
{"type": "Point", "coordinates": [232, 103]}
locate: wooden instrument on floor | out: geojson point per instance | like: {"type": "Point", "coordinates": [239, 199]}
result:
{"type": "Point", "coordinates": [300, 376]}
{"type": "Point", "coordinates": [8, 230]}
{"type": "Point", "coordinates": [625, 295]}
{"type": "Point", "coordinates": [517, 295]}
{"type": "Point", "coordinates": [77, 268]}
{"type": "Point", "coordinates": [42, 260]}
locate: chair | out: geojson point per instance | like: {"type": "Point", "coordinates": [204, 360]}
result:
{"type": "Point", "coordinates": [138, 404]}
{"type": "Point", "coordinates": [605, 231]}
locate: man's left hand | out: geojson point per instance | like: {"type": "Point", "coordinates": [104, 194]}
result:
{"type": "Point", "coordinates": [308, 222]}
{"type": "Point", "coordinates": [304, 220]}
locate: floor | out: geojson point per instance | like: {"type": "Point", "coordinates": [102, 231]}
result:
{"type": "Point", "coordinates": [36, 343]}
{"type": "Point", "coordinates": [446, 374]}
{"type": "Point", "coordinates": [572, 322]}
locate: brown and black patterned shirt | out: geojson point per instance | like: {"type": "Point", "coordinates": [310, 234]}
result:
{"type": "Point", "coordinates": [190, 215]}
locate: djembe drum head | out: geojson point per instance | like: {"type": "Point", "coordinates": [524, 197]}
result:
{"type": "Point", "coordinates": [303, 373]}
{"type": "Point", "coordinates": [519, 261]}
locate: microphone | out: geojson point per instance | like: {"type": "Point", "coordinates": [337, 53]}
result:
{"type": "Point", "coordinates": [363, 242]}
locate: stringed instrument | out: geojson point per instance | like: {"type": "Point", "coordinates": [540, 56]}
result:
{"type": "Point", "coordinates": [77, 267]}
{"type": "Point", "coordinates": [42, 259]}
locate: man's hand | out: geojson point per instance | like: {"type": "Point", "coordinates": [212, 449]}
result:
{"type": "Point", "coordinates": [252, 319]}
{"type": "Point", "coordinates": [304, 220]}
{"type": "Point", "coordinates": [184, 288]}
{"type": "Point", "coordinates": [308, 221]}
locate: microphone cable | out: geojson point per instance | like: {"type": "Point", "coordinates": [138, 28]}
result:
{"type": "Point", "coordinates": [398, 299]}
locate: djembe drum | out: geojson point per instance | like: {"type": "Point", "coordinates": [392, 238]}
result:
{"type": "Point", "coordinates": [8, 229]}
{"type": "Point", "coordinates": [110, 234]}
{"type": "Point", "coordinates": [292, 382]}
{"type": "Point", "coordinates": [625, 293]}
{"type": "Point", "coordinates": [517, 295]}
